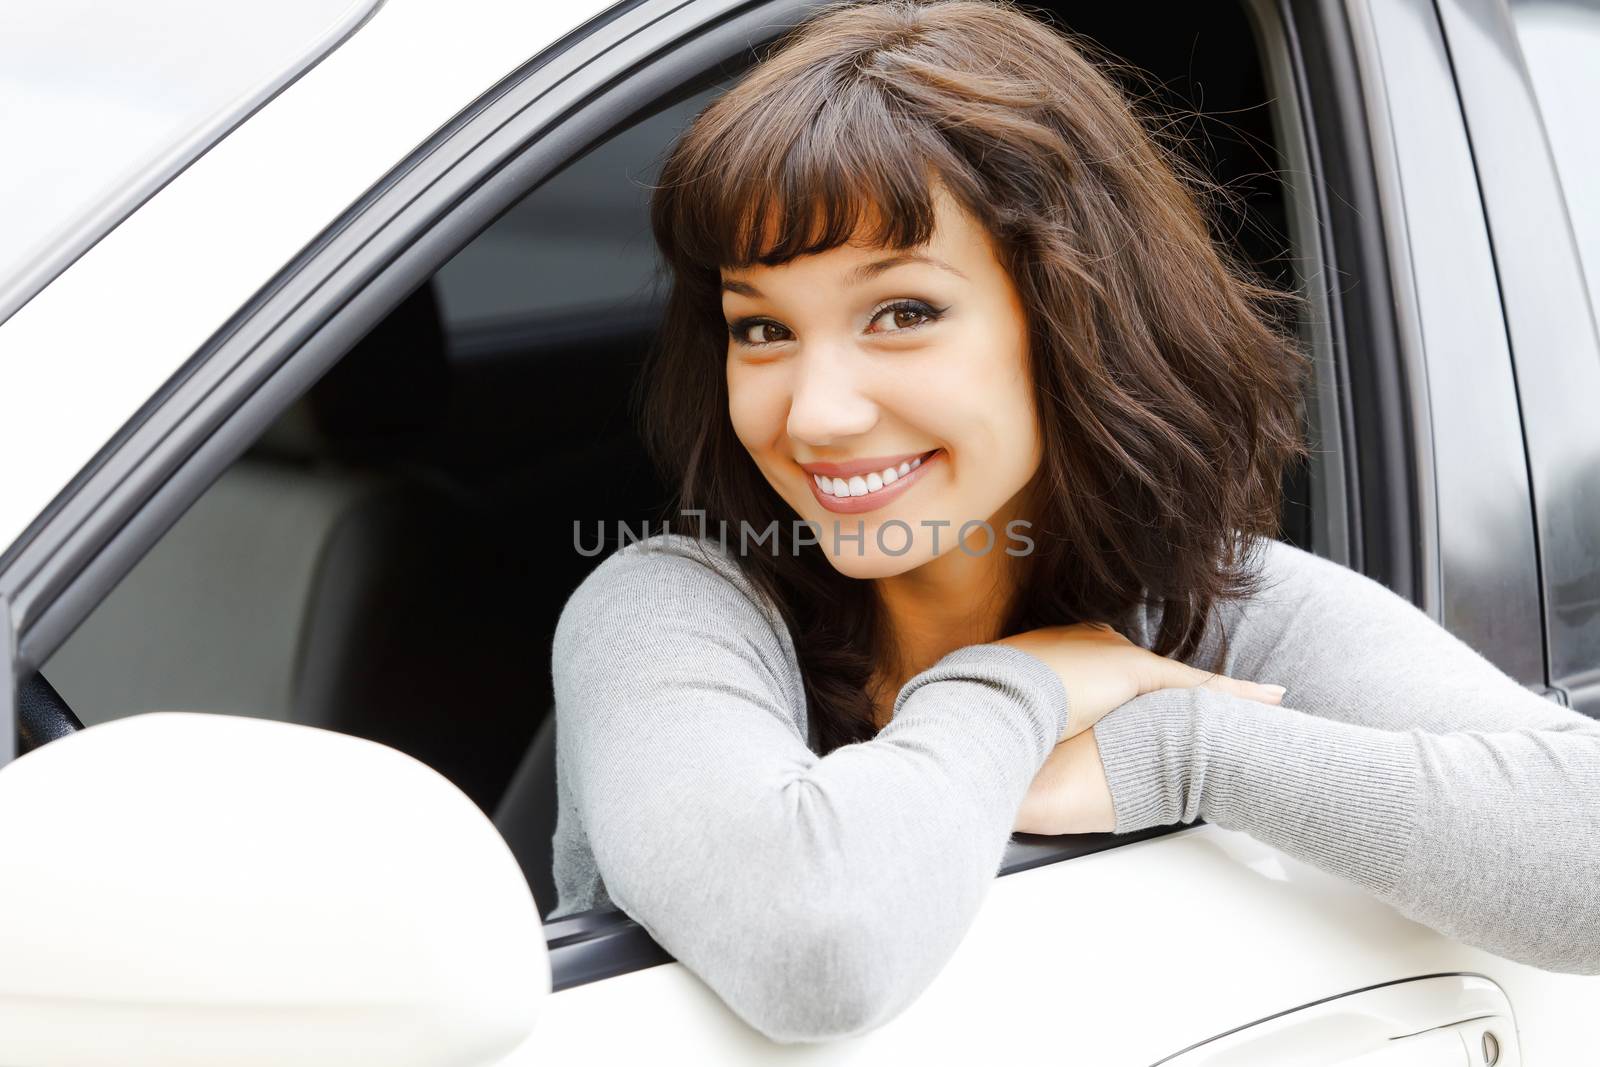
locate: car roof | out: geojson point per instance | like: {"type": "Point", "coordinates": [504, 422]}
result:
{"type": "Point", "coordinates": [108, 102]}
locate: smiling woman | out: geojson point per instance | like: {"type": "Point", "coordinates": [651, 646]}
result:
{"type": "Point", "coordinates": [1086, 362]}
{"type": "Point", "coordinates": [930, 276]}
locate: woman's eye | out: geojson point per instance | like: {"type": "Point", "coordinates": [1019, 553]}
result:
{"type": "Point", "coordinates": [906, 315]}
{"type": "Point", "coordinates": [756, 332]}
{"type": "Point", "coordinates": [900, 316]}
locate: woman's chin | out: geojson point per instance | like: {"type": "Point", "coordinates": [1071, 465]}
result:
{"type": "Point", "coordinates": [871, 563]}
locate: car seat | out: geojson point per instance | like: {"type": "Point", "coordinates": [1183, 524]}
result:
{"type": "Point", "coordinates": [332, 577]}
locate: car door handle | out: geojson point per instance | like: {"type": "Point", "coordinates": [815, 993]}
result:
{"type": "Point", "coordinates": [1435, 1048]}
{"type": "Point", "coordinates": [1451, 1020]}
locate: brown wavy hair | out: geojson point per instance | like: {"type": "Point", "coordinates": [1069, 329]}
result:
{"type": "Point", "coordinates": [1167, 382]}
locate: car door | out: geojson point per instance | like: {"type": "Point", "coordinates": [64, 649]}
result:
{"type": "Point", "coordinates": [1260, 935]}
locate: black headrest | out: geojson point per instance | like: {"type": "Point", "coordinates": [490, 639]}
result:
{"type": "Point", "coordinates": [390, 390]}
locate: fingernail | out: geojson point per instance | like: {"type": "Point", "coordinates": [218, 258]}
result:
{"type": "Point", "coordinates": [1278, 689]}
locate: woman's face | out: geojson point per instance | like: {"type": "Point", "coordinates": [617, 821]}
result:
{"type": "Point", "coordinates": [847, 367]}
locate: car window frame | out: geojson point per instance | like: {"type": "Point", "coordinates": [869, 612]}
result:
{"type": "Point", "coordinates": [575, 95]}
{"type": "Point", "coordinates": [1386, 476]}
{"type": "Point", "coordinates": [8, 686]}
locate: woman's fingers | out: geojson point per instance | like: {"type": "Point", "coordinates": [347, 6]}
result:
{"type": "Point", "coordinates": [1266, 694]}
{"type": "Point", "coordinates": [1101, 670]}
{"type": "Point", "coordinates": [1185, 676]}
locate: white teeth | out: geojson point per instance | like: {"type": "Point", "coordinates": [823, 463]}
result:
{"type": "Point", "coordinates": [872, 482]}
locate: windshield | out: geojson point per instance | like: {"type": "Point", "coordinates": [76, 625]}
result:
{"type": "Point", "coordinates": [103, 104]}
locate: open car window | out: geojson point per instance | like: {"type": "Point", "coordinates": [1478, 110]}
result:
{"type": "Point", "coordinates": [390, 557]}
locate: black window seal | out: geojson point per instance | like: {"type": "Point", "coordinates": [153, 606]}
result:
{"type": "Point", "coordinates": [1379, 431]}
{"type": "Point", "coordinates": [8, 687]}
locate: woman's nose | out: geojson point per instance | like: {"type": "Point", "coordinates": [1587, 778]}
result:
{"type": "Point", "coordinates": [827, 404]}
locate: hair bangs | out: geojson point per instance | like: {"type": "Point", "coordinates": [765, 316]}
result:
{"type": "Point", "coordinates": [776, 182]}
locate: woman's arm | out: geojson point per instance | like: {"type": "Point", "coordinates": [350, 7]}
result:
{"type": "Point", "coordinates": [817, 896]}
{"type": "Point", "coordinates": [1400, 759]}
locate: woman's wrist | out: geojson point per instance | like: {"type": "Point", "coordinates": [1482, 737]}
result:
{"type": "Point", "coordinates": [1146, 750]}
{"type": "Point", "coordinates": [1069, 795]}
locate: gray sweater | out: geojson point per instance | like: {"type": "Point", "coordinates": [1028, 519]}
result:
{"type": "Point", "coordinates": [819, 896]}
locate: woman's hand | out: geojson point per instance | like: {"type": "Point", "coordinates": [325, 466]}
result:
{"type": "Point", "coordinates": [1102, 670]}
{"type": "Point", "coordinates": [1069, 795]}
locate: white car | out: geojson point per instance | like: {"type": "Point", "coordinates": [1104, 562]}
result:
{"type": "Point", "coordinates": [317, 329]}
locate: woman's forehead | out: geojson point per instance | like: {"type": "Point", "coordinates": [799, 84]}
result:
{"type": "Point", "coordinates": [956, 236]}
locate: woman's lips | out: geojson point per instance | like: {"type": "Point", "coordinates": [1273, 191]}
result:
{"type": "Point", "coordinates": [856, 505]}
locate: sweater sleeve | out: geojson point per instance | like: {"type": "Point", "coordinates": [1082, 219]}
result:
{"type": "Point", "coordinates": [1400, 759]}
{"type": "Point", "coordinates": [816, 896]}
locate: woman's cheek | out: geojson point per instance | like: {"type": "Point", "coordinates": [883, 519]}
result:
{"type": "Point", "coordinates": [755, 408]}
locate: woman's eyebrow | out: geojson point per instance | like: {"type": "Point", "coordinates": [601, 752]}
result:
{"type": "Point", "coordinates": [868, 271]}
{"type": "Point", "coordinates": [742, 288]}
{"type": "Point", "coordinates": [865, 272]}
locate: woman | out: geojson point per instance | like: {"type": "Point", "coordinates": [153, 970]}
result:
{"type": "Point", "coordinates": [935, 288]}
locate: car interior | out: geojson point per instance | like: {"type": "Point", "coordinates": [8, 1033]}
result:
{"type": "Point", "coordinates": [389, 560]}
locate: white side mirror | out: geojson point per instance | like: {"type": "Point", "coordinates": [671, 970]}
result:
{"type": "Point", "coordinates": [203, 889]}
